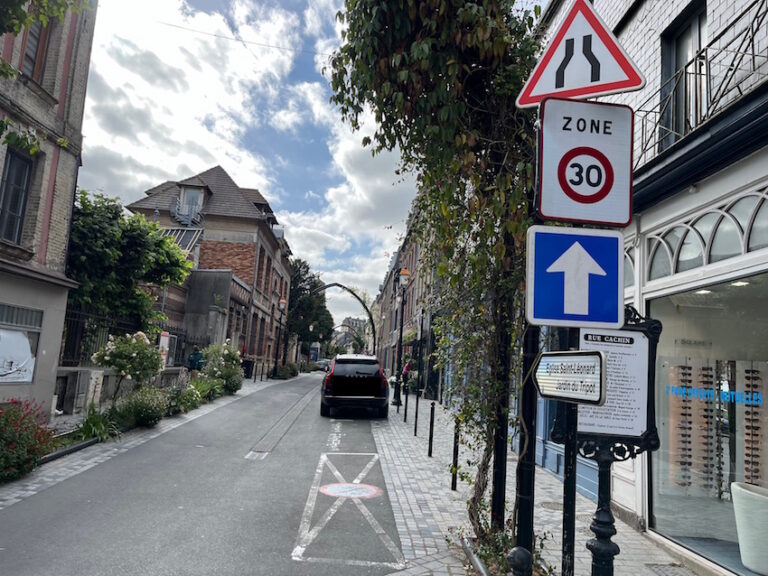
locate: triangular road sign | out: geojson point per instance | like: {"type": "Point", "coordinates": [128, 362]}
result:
{"type": "Point", "coordinates": [583, 59]}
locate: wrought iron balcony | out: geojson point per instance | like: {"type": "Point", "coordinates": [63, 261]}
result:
{"type": "Point", "coordinates": [186, 215]}
{"type": "Point", "coordinates": [734, 63]}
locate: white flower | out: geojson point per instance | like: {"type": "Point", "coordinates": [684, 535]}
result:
{"type": "Point", "coordinates": [111, 338]}
{"type": "Point", "coordinates": [128, 377]}
{"type": "Point", "coordinates": [134, 354]}
{"type": "Point", "coordinates": [122, 372]}
{"type": "Point", "coordinates": [106, 357]}
{"type": "Point", "coordinates": [94, 358]}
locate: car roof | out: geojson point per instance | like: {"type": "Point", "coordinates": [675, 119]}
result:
{"type": "Point", "coordinates": [353, 357]}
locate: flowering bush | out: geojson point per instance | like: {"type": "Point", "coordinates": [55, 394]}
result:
{"type": "Point", "coordinates": [183, 399]}
{"type": "Point", "coordinates": [208, 388]}
{"type": "Point", "coordinates": [23, 438]}
{"type": "Point", "coordinates": [223, 362]}
{"type": "Point", "coordinates": [132, 357]}
{"type": "Point", "coordinates": [147, 405]}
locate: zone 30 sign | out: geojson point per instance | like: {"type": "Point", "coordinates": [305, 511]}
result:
{"type": "Point", "coordinates": [585, 162]}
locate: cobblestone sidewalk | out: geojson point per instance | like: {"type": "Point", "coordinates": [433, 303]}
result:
{"type": "Point", "coordinates": [429, 514]}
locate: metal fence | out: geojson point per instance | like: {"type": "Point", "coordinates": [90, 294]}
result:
{"type": "Point", "coordinates": [85, 333]}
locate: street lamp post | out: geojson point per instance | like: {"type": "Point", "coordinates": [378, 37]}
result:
{"type": "Point", "coordinates": [281, 306]}
{"type": "Point", "coordinates": [402, 283]}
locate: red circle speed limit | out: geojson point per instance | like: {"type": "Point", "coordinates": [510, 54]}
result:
{"type": "Point", "coordinates": [588, 170]}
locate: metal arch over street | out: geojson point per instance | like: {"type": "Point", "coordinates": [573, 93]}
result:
{"type": "Point", "coordinates": [370, 316]}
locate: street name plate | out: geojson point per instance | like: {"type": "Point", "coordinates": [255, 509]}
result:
{"type": "Point", "coordinates": [577, 377]}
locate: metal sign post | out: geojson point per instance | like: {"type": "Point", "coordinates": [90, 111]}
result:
{"type": "Point", "coordinates": [573, 378]}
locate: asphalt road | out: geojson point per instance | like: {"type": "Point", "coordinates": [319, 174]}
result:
{"type": "Point", "coordinates": [250, 488]}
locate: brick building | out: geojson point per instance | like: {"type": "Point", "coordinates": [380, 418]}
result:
{"type": "Point", "coordinates": [242, 272]}
{"type": "Point", "coordinates": [36, 198]}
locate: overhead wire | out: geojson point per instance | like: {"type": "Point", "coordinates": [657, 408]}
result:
{"type": "Point", "coordinates": [241, 40]}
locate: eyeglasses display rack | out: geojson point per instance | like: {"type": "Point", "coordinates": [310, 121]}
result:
{"type": "Point", "coordinates": [751, 382]}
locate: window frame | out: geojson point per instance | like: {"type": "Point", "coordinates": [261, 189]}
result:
{"type": "Point", "coordinates": [41, 52]}
{"type": "Point", "coordinates": [11, 156]}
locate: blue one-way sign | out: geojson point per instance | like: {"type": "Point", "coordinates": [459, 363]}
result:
{"type": "Point", "coordinates": [575, 277]}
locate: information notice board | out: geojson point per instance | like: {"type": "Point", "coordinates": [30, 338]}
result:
{"type": "Point", "coordinates": [625, 412]}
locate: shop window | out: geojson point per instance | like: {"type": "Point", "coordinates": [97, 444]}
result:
{"type": "Point", "coordinates": [691, 252]}
{"type": "Point", "coordinates": [758, 237]}
{"type": "Point", "coordinates": [19, 339]}
{"type": "Point", "coordinates": [14, 190]}
{"type": "Point", "coordinates": [629, 269]}
{"type": "Point", "coordinates": [661, 259]}
{"type": "Point", "coordinates": [719, 233]}
{"type": "Point", "coordinates": [743, 209]}
{"type": "Point", "coordinates": [726, 242]}
{"type": "Point", "coordinates": [711, 385]}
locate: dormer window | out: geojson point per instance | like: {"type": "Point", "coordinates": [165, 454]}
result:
{"type": "Point", "coordinates": [191, 201]}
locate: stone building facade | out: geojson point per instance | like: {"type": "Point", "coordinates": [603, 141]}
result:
{"type": "Point", "coordinates": [36, 198]}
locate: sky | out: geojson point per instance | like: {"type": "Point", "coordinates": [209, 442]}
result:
{"type": "Point", "coordinates": [179, 86]}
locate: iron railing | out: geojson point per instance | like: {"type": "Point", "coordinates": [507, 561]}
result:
{"type": "Point", "coordinates": [186, 214]}
{"type": "Point", "coordinates": [730, 66]}
{"type": "Point", "coordinates": [85, 333]}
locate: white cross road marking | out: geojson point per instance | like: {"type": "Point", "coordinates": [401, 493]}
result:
{"type": "Point", "coordinates": [308, 533]}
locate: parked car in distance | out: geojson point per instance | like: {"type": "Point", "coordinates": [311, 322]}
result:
{"type": "Point", "coordinates": [355, 380]}
{"type": "Point", "coordinates": [323, 365]}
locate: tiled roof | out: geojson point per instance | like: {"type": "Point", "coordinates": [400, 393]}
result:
{"type": "Point", "coordinates": [225, 199]}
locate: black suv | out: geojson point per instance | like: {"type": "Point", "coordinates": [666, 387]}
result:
{"type": "Point", "coordinates": [356, 381]}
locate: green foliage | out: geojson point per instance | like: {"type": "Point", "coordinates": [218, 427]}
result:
{"type": "Point", "coordinates": [441, 78]}
{"type": "Point", "coordinates": [222, 361]}
{"type": "Point", "coordinates": [132, 356]}
{"type": "Point", "coordinates": [306, 307]}
{"type": "Point", "coordinates": [122, 416]}
{"type": "Point", "coordinates": [96, 424]}
{"type": "Point", "coordinates": [23, 438]}
{"type": "Point", "coordinates": [16, 14]}
{"type": "Point", "coordinates": [208, 388]}
{"type": "Point", "coordinates": [288, 371]}
{"type": "Point", "coordinates": [148, 405]}
{"type": "Point", "coordinates": [112, 256]}
{"type": "Point", "coordinates": [183, 399]}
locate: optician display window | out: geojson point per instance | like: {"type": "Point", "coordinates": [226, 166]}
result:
{"type": "Point", "coordinates": [712, 365]}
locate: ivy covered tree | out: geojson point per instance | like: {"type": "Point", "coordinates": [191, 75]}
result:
{"type": "Point", "coordinates": [441, 78]}
{"type": "Point", "coordinates": [113, 258]}
{"type": "Point", "coordinates": [306, 306]}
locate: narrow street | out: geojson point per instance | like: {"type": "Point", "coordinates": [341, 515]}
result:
{"type": "Point", "coordinates": [248, 488]}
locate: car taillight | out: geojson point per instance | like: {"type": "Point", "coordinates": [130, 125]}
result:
{"type": "Point", "coordinates": [384, 382]}
{"type": "Point", "coordinates": [327, 380]}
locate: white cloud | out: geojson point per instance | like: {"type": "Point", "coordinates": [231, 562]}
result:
{"type": "Point", "coordinates": [176, 102]}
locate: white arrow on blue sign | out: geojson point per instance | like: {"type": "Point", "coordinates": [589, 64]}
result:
{"type": "Point", "coordinates": [575, 277]}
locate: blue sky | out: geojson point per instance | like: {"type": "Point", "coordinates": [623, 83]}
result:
{"type": "Point", "coordinates": [197, 84]}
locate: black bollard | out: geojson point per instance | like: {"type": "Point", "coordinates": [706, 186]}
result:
{"type": "Point", "coordinates": [416, 414]}
{"type": "Point", "coordinates": [405, 412]}
{"type": "Point", "coordinates": [431, 427]}
{"type": "Point", "coordinates": [262, 371]}
{"type": "Point", "coordinates": [455, 469]}
{"type": "Point", "coordinates": [521, 561]}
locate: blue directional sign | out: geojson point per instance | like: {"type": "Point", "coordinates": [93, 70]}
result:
{"type": "Point", "coordinates": [575, 277]}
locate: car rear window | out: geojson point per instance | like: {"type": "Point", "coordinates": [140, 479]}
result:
{"type": "Point", "coordinates": [356, 368]}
